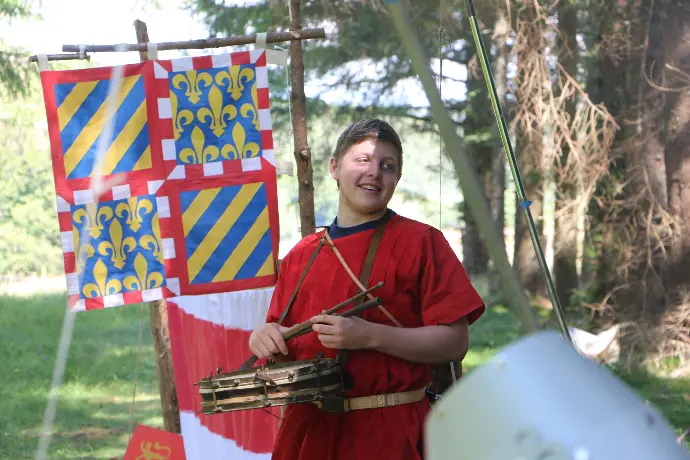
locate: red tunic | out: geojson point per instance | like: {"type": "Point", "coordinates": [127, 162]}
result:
{"type": "Point", "coordinates": [425, 284]}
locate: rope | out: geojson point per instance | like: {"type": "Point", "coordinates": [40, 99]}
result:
{"type": "Point", "coordinates": [440, 139]}
{"type": "Point", "coordinates": [292, 138]}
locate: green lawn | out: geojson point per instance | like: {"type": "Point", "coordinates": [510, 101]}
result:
{"type": "Point", "coordinates": [93, 415]}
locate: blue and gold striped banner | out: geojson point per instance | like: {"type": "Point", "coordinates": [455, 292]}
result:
{"type": "Point", "coordinates": [81, 111]}
{"type": "Point", "coordinates": [227, 233]}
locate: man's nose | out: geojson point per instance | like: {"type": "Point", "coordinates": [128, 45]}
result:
{"type": "Point", "coordinates": [374, 169]}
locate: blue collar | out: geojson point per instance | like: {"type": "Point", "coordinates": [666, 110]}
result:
{"type": "Point", "coordinates": [338, 232]}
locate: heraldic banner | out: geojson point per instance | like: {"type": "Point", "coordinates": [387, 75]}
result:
{"type": "Point", "coordinates": [193, 217]}
{"type": "Point", "coordinates": [195, 209]}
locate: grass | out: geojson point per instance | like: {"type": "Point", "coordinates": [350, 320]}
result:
{"type": "Point", "coordinates": [93, 416]}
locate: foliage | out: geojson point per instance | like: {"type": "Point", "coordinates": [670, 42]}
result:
{"type": "Point", "coordinates": [29, 236]}
{"type": "Point", "coordinates": [15, 69]}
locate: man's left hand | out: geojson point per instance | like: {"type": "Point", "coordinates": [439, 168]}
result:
{"type": "Point", "coordinates": [343, 333]}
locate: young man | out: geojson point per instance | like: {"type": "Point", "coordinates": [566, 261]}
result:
{"type": "Point", "coordinates": [428, 303]}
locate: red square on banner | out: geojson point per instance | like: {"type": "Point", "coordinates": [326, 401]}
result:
{"type": "Point", "coordinates": [153, 444]}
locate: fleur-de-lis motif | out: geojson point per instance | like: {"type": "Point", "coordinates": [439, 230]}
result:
{"type": "Point", "coordinates": [236, 77]}
{"type": "Point", "coordinates": [199, 154]}
{"type": "Point", "coordinates": [217, 113]}
{"type": "Point", "coordinates": [143, 279]}
{"type": "Point", "coordinates": [103, 285]}
{"type": "Point", "coordinates": [84, 253]}
{"type": "Point", "coordinates": [181, 119]}
{"type": "Point", "coordinates": [93, 217]}
{"type": "Point", "coordinates": [117, 247]}
{"type": "Point", "coordinates": [192, 82]}
{"type": "Point", "coordinates": [153, 240]}
{"type": "Point", "coordinates": [252, 108]}
{"type": "Point", "coordinates": [135, 208]}
{"type": "Point", "coordinates": [240, 149]}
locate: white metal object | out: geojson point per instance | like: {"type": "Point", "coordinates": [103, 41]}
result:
{"type": "Point", "coordinates": [539, 399]}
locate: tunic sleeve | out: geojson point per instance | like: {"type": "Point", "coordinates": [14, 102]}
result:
{"type": "Point", "coordinates": [445, 289]}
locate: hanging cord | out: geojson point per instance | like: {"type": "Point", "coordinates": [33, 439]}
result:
{"type": "Point", "coordinates": [136, 374]}
{"type": "Point", "coordinates": [292, 137]}
{"type": "Point", "coordinates": [440, 139]}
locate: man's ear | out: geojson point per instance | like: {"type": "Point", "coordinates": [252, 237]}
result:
{"type": "Point", "coordinates": [335, 173]}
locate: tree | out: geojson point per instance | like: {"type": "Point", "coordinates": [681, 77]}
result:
{"type": "Point", "coordinates": [14, 67]}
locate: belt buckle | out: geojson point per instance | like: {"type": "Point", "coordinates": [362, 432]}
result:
{"type": "Point", "coordinates": [332, 404]}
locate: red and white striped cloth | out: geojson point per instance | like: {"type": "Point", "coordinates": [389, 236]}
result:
{"type": "Point", "coordinates": [206, 332]}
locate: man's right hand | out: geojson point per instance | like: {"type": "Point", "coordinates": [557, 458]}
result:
{"type": "Point", "coordinates": [267, 341]}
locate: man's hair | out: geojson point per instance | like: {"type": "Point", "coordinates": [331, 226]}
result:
{"type": "Point", "coordinates": [371, 128]}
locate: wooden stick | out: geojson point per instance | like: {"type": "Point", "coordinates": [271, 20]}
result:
{"type": "Point", "coordinates": [295, 330]}
{"type": "Point", "coordinates": [271, 37]}
{"type": "Point", "coordinates": [170, 410]}
{"type": "Point", "coordinates": [306, 327]}
{"type": "Point", "coordinates": [305, 170]}
{"type": "Point", "coordinates": [60, 57]}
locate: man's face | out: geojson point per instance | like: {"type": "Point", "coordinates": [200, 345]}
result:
{"type": "Point", "coordinates": [368, 173]}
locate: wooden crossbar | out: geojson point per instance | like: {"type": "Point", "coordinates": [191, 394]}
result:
{"type": "Point", "coordinates": [271, 37]}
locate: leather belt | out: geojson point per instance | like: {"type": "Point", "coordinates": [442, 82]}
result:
{"type": "Point", "coordinates": [370, 402]}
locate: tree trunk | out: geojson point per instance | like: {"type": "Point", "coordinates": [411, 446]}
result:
{"type": "Point", "coordinates": [305, 172]}
{"type": "Point", "coordinates": [159, 324]}
{"type": "Point", "coordinates": [569, 246]}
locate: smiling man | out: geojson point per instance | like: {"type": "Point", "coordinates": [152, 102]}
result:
{"type": "Point", "coordinates": [428, 304]}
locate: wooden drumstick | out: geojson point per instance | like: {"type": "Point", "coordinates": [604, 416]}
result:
{"type": "Point", "coordinates": [306, 327]}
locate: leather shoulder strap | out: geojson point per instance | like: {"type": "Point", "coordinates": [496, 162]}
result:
{"type": "Point", "coordinates": [371, 254]}
{"type": "Point", "coordinates": [299, 283]}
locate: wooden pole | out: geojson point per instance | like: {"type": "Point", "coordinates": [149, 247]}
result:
{"type": "Point", "coordinates": [271, 37]}
{"type": "Point", "coordinates": [305, 171]}
{"type": "Point", "coordinates": [61, 57]}
{"type": "Point", "coordinates": [159, 321]}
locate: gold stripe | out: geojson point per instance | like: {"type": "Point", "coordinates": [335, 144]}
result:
{"type": "Point", "coordinates": [73, 101]}
{"type": "Point", "coordinates": [243, 250]}
{"type": "Point", "coordinates": [268, 267]}
{"type": "Point", "coordinates": [144, 161]}
{"type": "Point", "coordinates": [220, 229]}
{"type": "Point", "coordinates": [125, 138]}
{"type": "Point", "coordinates": [93, 128]}
{"type": "Point", "coordinates": [197, 208]}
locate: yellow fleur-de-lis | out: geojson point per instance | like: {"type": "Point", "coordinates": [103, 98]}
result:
{"type": "Point", "coordinates": [153, 240]}
{"type": "Point", "coordinates": [199, 154]}
{"type": "Point", "coordinates": [117, 247]}
{"type": "Point", "coordinates": [181, 119]}
{"type": "Point", "coordinates": [217, 113]}
{"type": "Point", "coordinates": [143, 279]}
{"type": "Point", "coordinates": [192, 82]}
{"type": "Point", "coordinates": [84, 253]}
{"type": "Point", "coordinates": [240, 149]}
{"type": "Point", "coordinates": [236, 77]}
{"type": "Point", "coordinates": [93, 217]}
{"type": "Point", "coordinates": [252, 108]}
{"type": "Point", "coordinates": [135, 208]}
{"type": "Point", "coordinates": [103, 285]}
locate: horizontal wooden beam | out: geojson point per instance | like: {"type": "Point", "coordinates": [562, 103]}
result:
{"type": "Point", "coordinates": [271, 37]}
{"type": "Point", "coordinates": [61, 57]}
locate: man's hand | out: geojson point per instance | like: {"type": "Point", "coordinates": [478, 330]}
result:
{"type": "Point", "coordinates": [343, 333]}
{"type": "Point", "coordinates": [267, 341]}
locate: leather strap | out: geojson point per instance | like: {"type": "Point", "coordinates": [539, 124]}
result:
{"type": "Point", "coordinates": [299, 283]}
{"type": "Point", "coordinates": [380, 401]}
